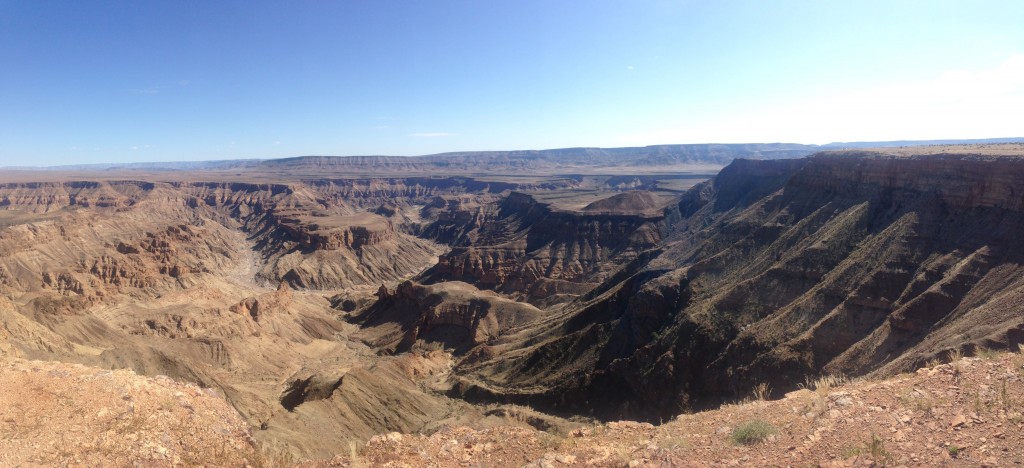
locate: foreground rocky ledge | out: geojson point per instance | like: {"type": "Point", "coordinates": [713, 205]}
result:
{"type": "Point", "coordinates": [964, 413]}
{"type": "Point", "coordinates": [56, 414]}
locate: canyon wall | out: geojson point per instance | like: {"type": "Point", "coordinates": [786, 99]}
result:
{"type": "Point", "coordinates": [610, 296]}
{"type": "Point", "coordinates": [849, 263]}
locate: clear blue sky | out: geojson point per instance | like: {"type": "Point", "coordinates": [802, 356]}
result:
{"type": "Point", "coordinates": [109, 81]}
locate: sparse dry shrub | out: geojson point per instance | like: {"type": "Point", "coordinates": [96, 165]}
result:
{"type": "Point", "coordinates": [762, 391]}
{"type": "Point", "coordinates": [987, 353]}
{"type": "Point", "coordinates": [670, 441]}
{"type": "Point", "coordinates": [353, 454]}
{"type": "Point", "coordinates": [876, 448]}
{"type": "Point", "coordinates": [752, 432]}
{"type": "Point", "coordinates": [1017, 360]}
{"type": "Point", "coordinates": [622, 455]}
{"type": "Point", "coordinates": [851, 451]}
{"type": "Point", "coordinates": [954, 357]}
{"type": "Point", "coordinates": [132, 423]}
{"type": "Point", "coordinates": [1004, 396]}
{"type": "Point", "coordinates": [267, 459]}
{"type": "Point", "coordinates": [979, 406]}
{"type": "Point", "coordinates": [823, 385]}
{"type": "Point", "coordinates": [673, 443]}
{"type": "Point", "coordinates": [919, 400]}
{"type": "Point", "coordinates": [553, 442]}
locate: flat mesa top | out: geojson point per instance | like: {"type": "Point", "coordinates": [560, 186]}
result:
{"type": "Point", "coordinates": [323, 223]}
{"type": "Point", "coordinates": [1009, 150]}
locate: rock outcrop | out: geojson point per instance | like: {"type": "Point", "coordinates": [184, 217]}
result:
{"type": "Point", "coordinates": [257, 307]}
{"type": "Point", "coordinates": [631, 202]}
{"type": "Point", "coordinates": [321, 231]}
{"type": "Point", "coordinates": [526, 249]}
{"type": "Point", "coordinates": [454, 314]}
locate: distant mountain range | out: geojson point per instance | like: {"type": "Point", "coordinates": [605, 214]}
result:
{"type": "Point", "coordinates": [562, 159]}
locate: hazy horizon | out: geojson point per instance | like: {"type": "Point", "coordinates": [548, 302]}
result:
{"type": "Point", "coordinates": [126, 82]}
{"type": "Point", "coordinates": [830, 145]}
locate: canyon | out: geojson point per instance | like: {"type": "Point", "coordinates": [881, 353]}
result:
{"type": "Point", "coordinates": [331, 300]}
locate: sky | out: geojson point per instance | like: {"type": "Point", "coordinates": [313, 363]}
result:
{"type": "Point", "coordinates": [138, 81]}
